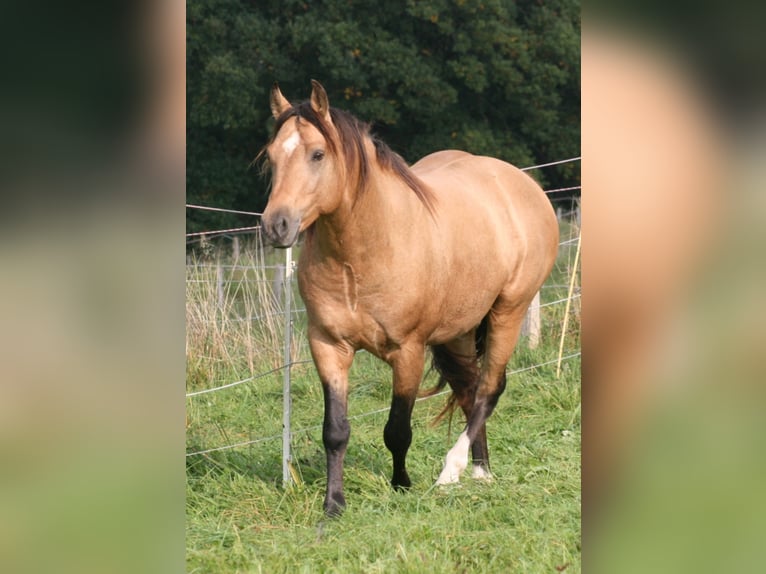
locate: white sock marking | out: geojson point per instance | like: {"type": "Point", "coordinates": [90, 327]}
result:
{"type": "Point", "coordinates": [291, 143]}
{"type": "Point", "coordinates": [456, 461]}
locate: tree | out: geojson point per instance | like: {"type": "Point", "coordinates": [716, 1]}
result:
{"type": "Point", "coordinates": [492, 77]}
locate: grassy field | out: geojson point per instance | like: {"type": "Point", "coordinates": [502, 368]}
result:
{"type": "Point", "coordinates": [241, 519]}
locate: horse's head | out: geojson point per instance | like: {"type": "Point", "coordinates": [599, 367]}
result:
{"type": "Point", "coordinates": [305, 166]}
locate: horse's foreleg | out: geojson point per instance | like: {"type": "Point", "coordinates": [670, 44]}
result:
{"type": "Point", "coordinates": [333, 361]}
{"type": "Point", "coordinates": [408, 370]}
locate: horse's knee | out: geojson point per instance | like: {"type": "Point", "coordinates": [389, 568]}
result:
{"type": "Point", "coordinates": [397, 435]}
{"type": "Point", "coordinates": [335, 433]}
{"type": "Point", "coordinates": [336, 429]}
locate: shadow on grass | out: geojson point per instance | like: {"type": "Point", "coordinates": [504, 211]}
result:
{"type": "Point", "coordinates": [263, 463]}
{"type": "Point", "coordinates": [246, 463]}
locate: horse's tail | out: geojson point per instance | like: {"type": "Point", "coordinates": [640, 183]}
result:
{"type": "Point", "coordinates": [461, 372]}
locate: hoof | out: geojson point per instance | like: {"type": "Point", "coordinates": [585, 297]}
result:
{"type": "Point", "coordinates": [334, 506]}
{"type": "Point", "coordinates": [401, 483]}
{"type": "Point", "coordinates": [481, 473]}
{"type": "Point", "coordinates": [448, 476]}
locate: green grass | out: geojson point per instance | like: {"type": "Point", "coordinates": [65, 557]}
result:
{"type": "Point", "coordinates": [241, 519]}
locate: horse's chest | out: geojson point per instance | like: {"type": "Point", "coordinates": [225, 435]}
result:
{"type": "Point", "coordinates": [335, 289]}
{"type": "Point", "coordinates": [347, 308]}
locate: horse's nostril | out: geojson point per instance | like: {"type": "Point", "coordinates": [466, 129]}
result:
{"type": "Point", "coordinates": [279, 228]}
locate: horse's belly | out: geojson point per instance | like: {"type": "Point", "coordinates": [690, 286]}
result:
{"type": "Point", "coordinates": [460, 318]}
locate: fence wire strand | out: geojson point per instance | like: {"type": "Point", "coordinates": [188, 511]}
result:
{"type": "Point", "coordinates": [206, 208]}
{"type": "Point", "coordinates": [562, 189]}
{"type": "Point", "coordinates": [248, 379]}
{"type": "Point", "coordinates": [222, 231]}
{"type": "Point", "coordinates": [571, 159]}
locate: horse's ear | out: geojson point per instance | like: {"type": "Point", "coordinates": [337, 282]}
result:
{"type": "Point", "coordinates": [319, 102]}
{"type": "Point", "coordinates": [279, 103]}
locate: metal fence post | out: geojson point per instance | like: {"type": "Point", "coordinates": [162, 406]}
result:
{"type": "Point", "coordinates": [286, 400]}
{"type": "Point", "coordinates": [219, 284]}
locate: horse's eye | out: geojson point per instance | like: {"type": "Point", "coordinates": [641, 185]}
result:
{"type": "Point", "coordinates": [318, 155]}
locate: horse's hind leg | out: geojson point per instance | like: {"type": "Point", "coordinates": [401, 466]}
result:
{"type": "Point", "coordinates": [502, 333]}
{"type": "Point", "coordinates": [480, 454]}
{"type": "Point", "coordinates": [464, 390]}
{"type": "Point", "coordinates": [407, 365]}
{"type": "Point", "coordinates": [479, 448]}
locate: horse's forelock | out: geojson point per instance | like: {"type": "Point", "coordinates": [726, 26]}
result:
{"type": "Point", "coordinates": [349, 141]}
{"type": "Point", "coordinates": [304, 111]}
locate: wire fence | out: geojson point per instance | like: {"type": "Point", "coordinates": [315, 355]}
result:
{"type": "Point", "coordinates": [238, 230]}
{"type": "Point", "coordinates": [281, 277]}
{"type": "Point", "coordinates": [361, 415]}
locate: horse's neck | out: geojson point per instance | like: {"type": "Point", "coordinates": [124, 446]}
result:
{"type": "Point", "coordinates": [370, 222]}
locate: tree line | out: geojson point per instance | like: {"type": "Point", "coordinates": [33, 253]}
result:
{"type": "Point", "coordinates": [493, 77]}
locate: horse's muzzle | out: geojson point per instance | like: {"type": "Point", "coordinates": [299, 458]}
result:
{"type": "Point", "coordinates": [280, 227]}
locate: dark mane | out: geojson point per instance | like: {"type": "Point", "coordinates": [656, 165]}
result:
{"type": "Point", "coordinates": [352, 133]}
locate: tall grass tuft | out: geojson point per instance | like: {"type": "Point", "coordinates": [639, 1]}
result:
{"type": "Point", "coordinates": [234, 317]}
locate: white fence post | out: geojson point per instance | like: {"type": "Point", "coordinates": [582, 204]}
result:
{"type": "Point", "coordinates": [235, 248]}
{"type": "Point", "coordinates": [531, 326]}
{"type": "Point", "coordinates": [279, 279]}
{"type": "Point", "coordinates": [286, 400]}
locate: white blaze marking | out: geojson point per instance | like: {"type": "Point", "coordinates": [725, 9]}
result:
{"type": "Point", "coordinates": [456, 461]}
{"type": "Point", "coordinates": [291, 143]}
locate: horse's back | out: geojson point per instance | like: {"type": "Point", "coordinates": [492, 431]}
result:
{"type": "Point", "coordinates": [489, 194]}
{"type": "Point", "coordinates": [439, 160]}
{"type": "Point", "coordinates": [453, 173]}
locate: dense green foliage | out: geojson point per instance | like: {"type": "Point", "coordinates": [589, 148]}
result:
{"type": "Point", "coordinates": [493, 77]}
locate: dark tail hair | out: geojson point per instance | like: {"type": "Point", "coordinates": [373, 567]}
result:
{"type": "Point", "coordinates": [460, 372]}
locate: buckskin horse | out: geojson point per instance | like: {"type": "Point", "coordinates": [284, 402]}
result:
{"type": "Point", "coordinates": [446, 254]}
